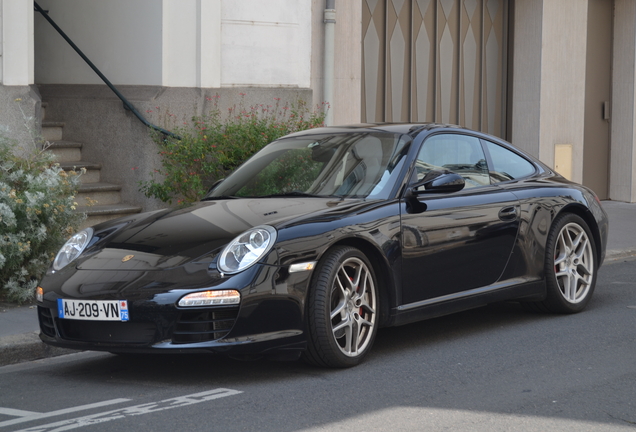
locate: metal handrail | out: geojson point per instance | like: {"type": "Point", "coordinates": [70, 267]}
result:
{"type": "Point", "coordinates": [127, 105]}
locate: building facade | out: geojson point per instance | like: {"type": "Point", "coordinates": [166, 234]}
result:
{"type": "Point", "coordinates": [555, 77]}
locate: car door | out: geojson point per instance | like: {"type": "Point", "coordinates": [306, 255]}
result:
{"type": "Point", "coordinates": [454, 242]}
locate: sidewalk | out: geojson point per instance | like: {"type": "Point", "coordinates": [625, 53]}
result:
{"type": "Point", "coordinates": [19, 339]}
{"type": "Point", "coordinates": [621, 240]}
{"type": "Point", "coordinates": [19, 326]}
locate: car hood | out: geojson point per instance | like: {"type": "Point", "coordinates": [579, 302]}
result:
{"type": "Point", "coordinates": [171, 238]}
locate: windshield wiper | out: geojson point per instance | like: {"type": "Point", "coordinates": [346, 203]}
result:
{"type": "Point", "coordinates": [212, 198]}
{"type": "Point", "coordinates": [295, 194]}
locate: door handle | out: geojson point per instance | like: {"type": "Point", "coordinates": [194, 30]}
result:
{"type": "Point", "coordinates": [508, 213]}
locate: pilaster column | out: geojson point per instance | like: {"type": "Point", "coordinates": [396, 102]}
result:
{"type": "Point", "coordinates": [16, 42]}
{"type": "Point", "coordinates": [191, 43]}
{"type": "Point", "coordinates": [623, 126]}
{"type": "Point", "coordinates": [549, 80]}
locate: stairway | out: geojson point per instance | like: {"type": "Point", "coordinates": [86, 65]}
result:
{"type": "Point", "coordinates": [106, 197]}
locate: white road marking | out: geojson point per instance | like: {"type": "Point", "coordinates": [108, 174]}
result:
{"type": "Point", "coordinates": [27, 416]}
{"type": "Point", "coordinates": [136, 410]}
{"type": "Point", "coordinates": [16, 412]}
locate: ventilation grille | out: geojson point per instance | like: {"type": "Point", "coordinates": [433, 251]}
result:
{"type": "Point", "coordinates": [204, 326]}
{"type": "Point", "coordinates": [46, 321]}
{"type": "Point", "coordinates": [107, 332]}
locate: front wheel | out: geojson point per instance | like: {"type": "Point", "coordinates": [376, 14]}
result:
{"type": "Point", "coordinates": [342, 309]}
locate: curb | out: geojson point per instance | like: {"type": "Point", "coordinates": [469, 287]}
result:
{"type": "Point", "coordinates": [617, 255]}
{"type": "Point", "coordinates": [27, 347]}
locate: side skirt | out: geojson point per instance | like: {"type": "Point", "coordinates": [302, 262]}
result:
{"type": "Point", "coordinates": [435, 307]}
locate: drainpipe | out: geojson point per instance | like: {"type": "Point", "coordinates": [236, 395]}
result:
{"type": "Point", "coordinates": [330, 30]}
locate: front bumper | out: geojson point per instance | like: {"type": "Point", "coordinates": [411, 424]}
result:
{"type": "Point", "coordinates": [269, 318]}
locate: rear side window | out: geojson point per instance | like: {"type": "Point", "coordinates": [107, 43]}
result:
{"type": "Point", "coordinates": [507, 165]}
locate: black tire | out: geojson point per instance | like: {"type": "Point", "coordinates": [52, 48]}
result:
{"type": "Point", "coordinates": [342, 311]}
{"type": "Point", "coordinates": [571, 266]}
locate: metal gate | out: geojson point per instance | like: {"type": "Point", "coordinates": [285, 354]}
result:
{"type": "Point", "coordinates": [435, 60]}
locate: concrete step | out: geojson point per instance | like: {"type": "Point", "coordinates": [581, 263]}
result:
{"type": "Point", "coordinates": [93, 170]}
{"type": "Point", "coordinates": [102, 213]}
{"type": "Point", "coordinates": [52, 131]}
{"type": "Point", "coordinates": [100, 201]}
{"type": "Point", "coordinates": [103, 193]}
{"type": "Point", "coordinates": [66, 151]}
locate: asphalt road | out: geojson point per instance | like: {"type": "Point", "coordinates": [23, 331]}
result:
{"type": "Point", "coordinates": [496, 368]}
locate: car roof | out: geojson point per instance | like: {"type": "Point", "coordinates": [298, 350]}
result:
{"type": "Point", "coordinates": [402, 128]}
{"type": "Point", "coordinates": [414, 129]}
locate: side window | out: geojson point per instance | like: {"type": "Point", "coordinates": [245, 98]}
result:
{"type": "Point", "coordinates": [507, 165]}
{"type": "Point", "coordinates": [461, 154]}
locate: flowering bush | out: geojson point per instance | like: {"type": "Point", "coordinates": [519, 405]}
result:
{"type": "Point", "coordinates": [36, 216]}
{"type": "Point", "coordinates": [215, 144]}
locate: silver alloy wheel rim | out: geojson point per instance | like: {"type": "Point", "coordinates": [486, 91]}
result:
{"type": "Point", "coordinates": [573, 263]}
{"type": "Point", "coordinates": [353, 305]}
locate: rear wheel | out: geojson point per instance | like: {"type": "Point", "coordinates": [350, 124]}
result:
{"type": "Point", "coordinates": [342, 312]}
{"type": "Point", "coordinates": [570, 266]}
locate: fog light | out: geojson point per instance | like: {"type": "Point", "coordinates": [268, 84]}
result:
{"type": "Point", "coordinates": [211, 298]}
{"type": "Point", "coordinates": [39, 294]}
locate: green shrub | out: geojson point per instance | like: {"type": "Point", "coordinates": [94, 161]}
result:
{"type": "Point", "coordinates": [36, 216]}
{"type": "Point", "coordinates": [212, 145]}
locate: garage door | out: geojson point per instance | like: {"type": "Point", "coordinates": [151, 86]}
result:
{"type": "Point", "coordinates": [436, 60]}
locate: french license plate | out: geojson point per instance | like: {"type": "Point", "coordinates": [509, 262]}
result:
{"type": "Point", "coordinates": [94, 310]}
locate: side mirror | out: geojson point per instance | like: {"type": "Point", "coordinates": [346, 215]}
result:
{"type": "Point", "coordinates": [216, 183]}
{"type": "Point", "coordinates": [437, 182]}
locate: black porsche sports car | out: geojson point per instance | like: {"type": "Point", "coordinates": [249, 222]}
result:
{"type": "Point", "coordinates": [323, 237]}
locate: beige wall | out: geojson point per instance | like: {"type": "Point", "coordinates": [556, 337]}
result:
{"type": "Point", "coordinates": [623, 126]}
{"type": "Point", "coordinates": [191, 43]}
{"type": "Point", "coordinates": [549, 78]}
{"type": "Point", "coordinates": [177, 43]}
{"type": "Point", "coordinates": [122, 38]}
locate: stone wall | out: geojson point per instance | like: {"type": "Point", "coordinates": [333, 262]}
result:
{"type": "Point", "coordinates": [19, 114]}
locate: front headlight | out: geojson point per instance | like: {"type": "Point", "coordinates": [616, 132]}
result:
{"type": "Point", "coordinates": [72, 248]}
{"type": "Point", "coordinates": [247, 249]}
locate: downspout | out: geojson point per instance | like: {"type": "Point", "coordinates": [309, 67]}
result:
{"type": "Point", "coordinates": [328, 75]}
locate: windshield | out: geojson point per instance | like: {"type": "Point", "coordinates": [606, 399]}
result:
{"type": "Point", "coordinates": [346, 165]}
